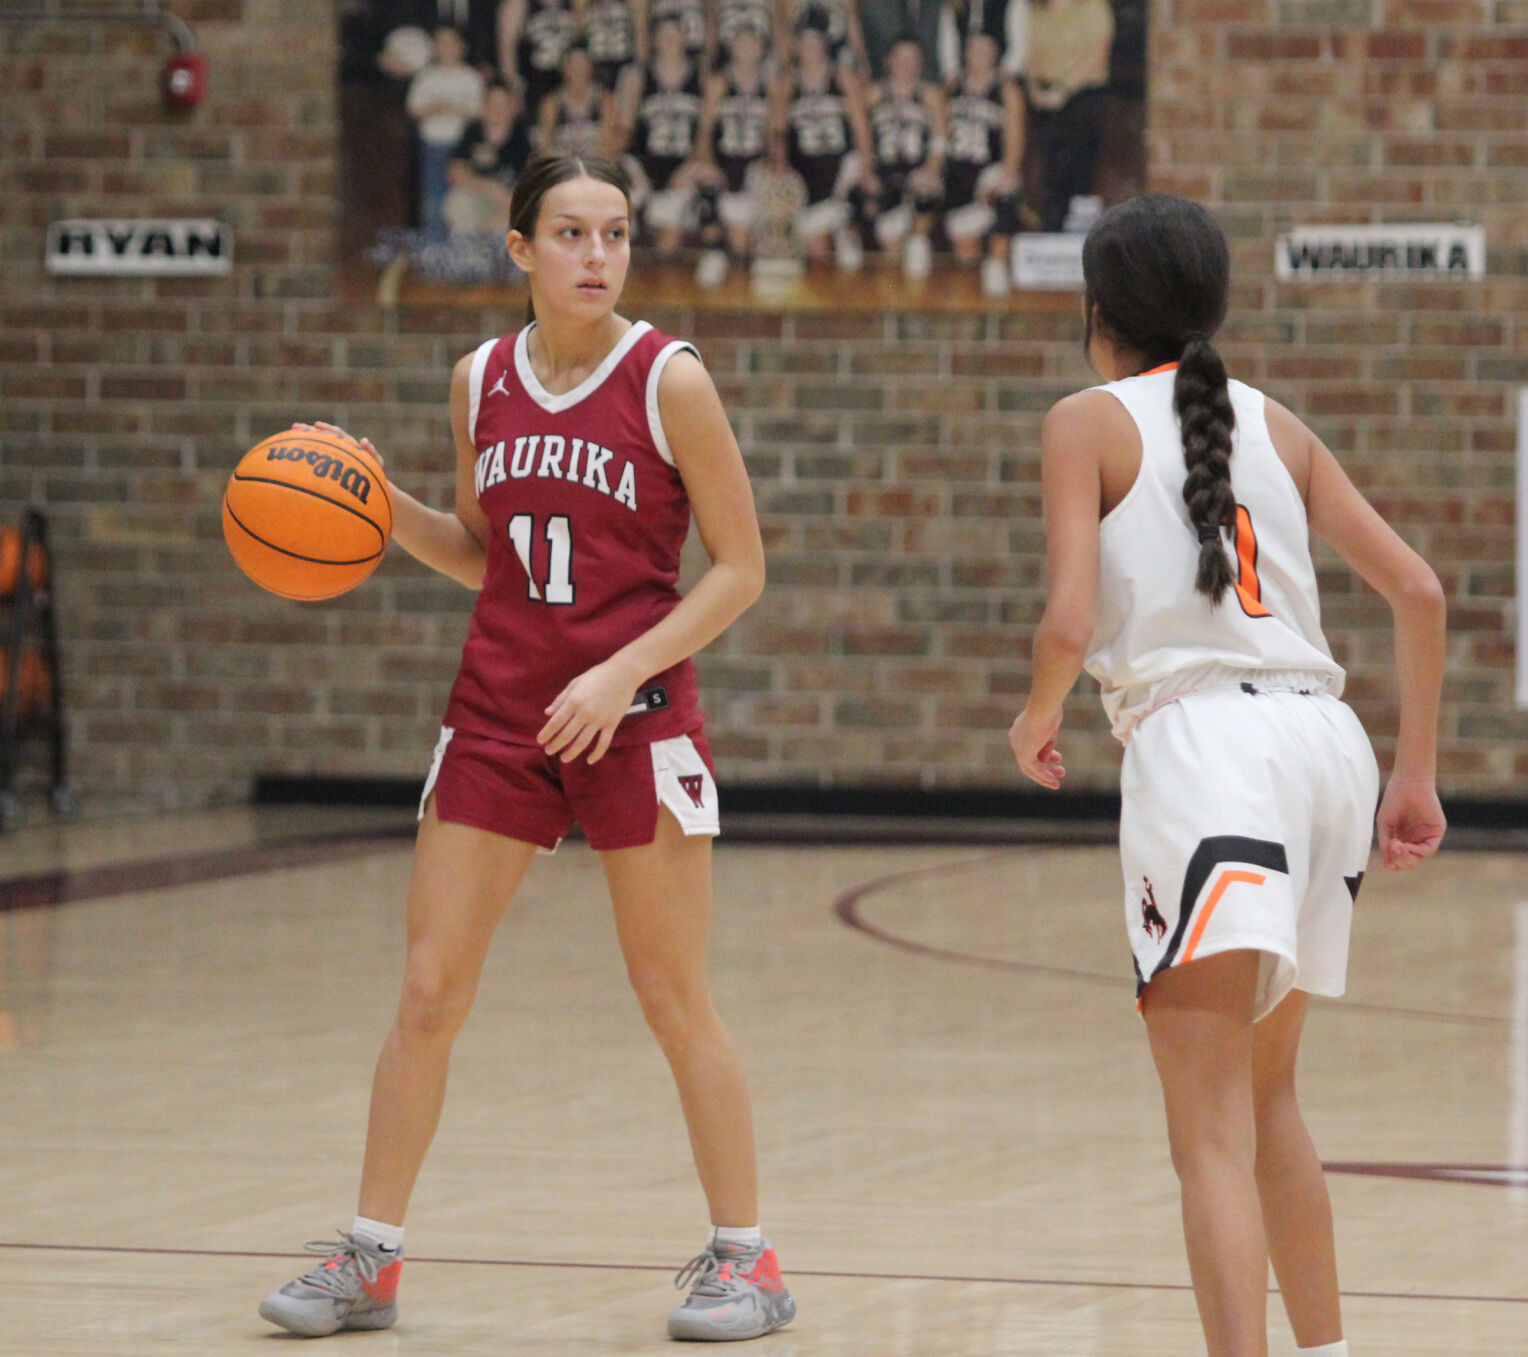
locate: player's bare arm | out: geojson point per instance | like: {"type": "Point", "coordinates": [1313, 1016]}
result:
{"type": "Point", "coordinates": [455, 543]}
{"type": "Point", "coordinates": [511, 20]}
{"type": "Point", "coordinates": [1013, 132]}
{"type": "Point", "coordinates": [1073, 445]}
{"type": "Point", "coordinates": [859, 128]}
{"type": "Point", "coordinates": [1411, 822]}
{"type": "Point", "coordinates": [705, 135]}
{"type": "Point", "coordinates": [856, 37]}
{"type": "Point", "coordinates": [933, 100]}
{"type": "Point", "coordinates": [546, 118]}
{"type": "Point", "coordinates": [639, 23]}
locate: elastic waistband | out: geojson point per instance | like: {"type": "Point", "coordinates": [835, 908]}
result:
{"type": "Point", "coordinates": [1130, 706]}
{"type": "Point", "coordinates": [1307, 683]}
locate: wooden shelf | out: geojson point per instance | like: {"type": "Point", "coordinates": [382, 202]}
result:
{"type": "Point", "coordinates": [879, 287]}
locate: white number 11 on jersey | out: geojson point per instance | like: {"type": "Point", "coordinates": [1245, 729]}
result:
{"type": "Point", "coordinates": [559, 537]}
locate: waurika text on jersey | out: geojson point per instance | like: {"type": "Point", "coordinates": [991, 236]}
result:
{"type": "Point", "coordinates": [542, 455]}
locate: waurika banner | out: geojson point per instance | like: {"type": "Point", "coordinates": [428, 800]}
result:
{"type": "Point", "coordinates": [1415, 250]}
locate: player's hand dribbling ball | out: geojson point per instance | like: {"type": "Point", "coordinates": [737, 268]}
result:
{"type": "Point", "coordinates": [307, 514]}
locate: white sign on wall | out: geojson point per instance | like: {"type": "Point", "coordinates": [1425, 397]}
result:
{"type": "Point", "coordinates": [1047, 262]}
{"type": "Point", "coordinates": [1415, 250]}
{"type": "Point", "coordinates": [142, 248]}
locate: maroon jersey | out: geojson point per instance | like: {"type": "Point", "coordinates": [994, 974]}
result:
{"type": "Point", "coordinates": [586, 516]}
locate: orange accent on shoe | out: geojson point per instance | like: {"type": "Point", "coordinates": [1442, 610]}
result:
{"type": "Point", "coordinates": [385, 1288]}
{"type": "Point", "coordinates": [766, 1272]}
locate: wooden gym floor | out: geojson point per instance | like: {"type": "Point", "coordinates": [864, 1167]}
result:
{"type": "Point", "coordinates": [961, 1138]}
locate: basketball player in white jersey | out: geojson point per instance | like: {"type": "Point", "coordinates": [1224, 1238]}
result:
{"type": "Point", "coordinates": [1177, 508]}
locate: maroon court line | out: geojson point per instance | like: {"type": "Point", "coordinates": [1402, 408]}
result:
{"type": "Point", "coordinates": [1476, 1175]}
{"type": "Point", "coordinates": [44, 889]}
{"type": "Point", "coordinates": [795, 1272]}
{"type": "Point", "coordinates": [847, 906]}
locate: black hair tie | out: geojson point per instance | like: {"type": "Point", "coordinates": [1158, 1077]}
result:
{"type": "Point", "coordinates": [1209, 532]}
{"type": "Point", "coordinates": [1192, 335]}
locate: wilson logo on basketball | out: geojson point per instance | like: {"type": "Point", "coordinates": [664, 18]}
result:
{"type": "Point", "coordinates": [694, 786]}
{"type": "Point", "coordinates": [357, 483]}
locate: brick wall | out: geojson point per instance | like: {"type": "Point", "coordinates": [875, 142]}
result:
{"type": "Point", "coordinates": [893, 455]}
{"type": "Point", "coordinates": [1310, 111]}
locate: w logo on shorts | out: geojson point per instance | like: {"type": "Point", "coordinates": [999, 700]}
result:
{"type": "Point", "coordinates": [695, 786]}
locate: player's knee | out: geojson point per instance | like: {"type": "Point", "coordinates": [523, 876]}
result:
{"type": "Point", "coordinates": [434, 1004]}
{"type": "Point", "coordinates": [674, 1010]}
{"type": "Point", "coordinates": [1211, 1140]}
{"type": "Point", "coordinates": [1273, 1097]}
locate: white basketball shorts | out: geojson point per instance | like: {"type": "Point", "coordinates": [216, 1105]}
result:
{"type": "Point", "coordinates": [1246, 822]}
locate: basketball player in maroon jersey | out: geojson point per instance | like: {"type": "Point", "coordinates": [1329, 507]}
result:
{"type": "Point", "coordinates": [583, 444]}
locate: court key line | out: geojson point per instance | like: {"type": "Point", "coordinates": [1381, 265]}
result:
{"type": "Point", "coordinates": [847, 907]}
{"type": "Point", "coordinates": [795, 1272]}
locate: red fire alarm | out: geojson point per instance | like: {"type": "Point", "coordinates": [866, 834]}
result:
{"type": "Point", "coordinates": [185, 80]}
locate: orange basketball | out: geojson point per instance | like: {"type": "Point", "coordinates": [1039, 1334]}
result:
{"type": "Point", "coordinates": [307, 515]}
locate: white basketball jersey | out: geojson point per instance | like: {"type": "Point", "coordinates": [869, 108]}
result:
{"type": "Point", "coordinates": [1156, 637]}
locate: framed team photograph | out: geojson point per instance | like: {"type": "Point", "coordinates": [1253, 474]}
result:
{"type": "Point", "coordinates": [767, 143]}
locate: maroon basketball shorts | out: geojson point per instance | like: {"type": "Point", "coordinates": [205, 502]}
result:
{"type": "Point", "coordinates": [521, 792]}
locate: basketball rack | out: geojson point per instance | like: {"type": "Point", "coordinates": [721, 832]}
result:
{"type": "Point", "coordinates": [32, 698]}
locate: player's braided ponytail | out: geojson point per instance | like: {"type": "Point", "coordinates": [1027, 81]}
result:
{"type": "Point", "coordinates": [1157, 272]}
{"type": "Point", "coordinates": [1205, 415]}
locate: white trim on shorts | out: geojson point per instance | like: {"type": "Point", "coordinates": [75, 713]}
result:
{"type": "Point", "coordinates": [681, 781]}
{"type": "Point", "coordinates": [685, 786]}
{"type": "Point", "coordinates": [436, 759]}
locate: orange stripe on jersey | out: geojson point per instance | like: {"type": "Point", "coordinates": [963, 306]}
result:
{"type": "Point", "coordinates": [1152, 372]}
{"type": "Point", "coordinates": [1249, 588]}
{"type": "Point", "coordinates": [1225, 879]}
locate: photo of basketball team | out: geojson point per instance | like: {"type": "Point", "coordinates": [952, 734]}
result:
{"type": "Point", "coordinates": [763, 135]}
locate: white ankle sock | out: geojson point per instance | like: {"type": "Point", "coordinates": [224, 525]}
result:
{"type": "Point", "coordinates": [1337, 1349]}
{"type": "Point", "coordinates": [729, 1234]}
{"type": "Point", "coordinates": [389, 1237]}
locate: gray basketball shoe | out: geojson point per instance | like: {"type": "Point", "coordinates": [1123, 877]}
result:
{"type": "Point", "coordinates": [355, 1287]}
{"type": "Point", "coordinates": [735, 1292]}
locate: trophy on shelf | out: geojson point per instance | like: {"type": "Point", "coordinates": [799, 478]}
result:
{"type": "Point", "coordinates": [778, 194]}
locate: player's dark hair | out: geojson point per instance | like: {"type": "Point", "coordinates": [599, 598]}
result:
{"type": "Point", "coordinates": [1158, 271]}
{"type": "Point", "coordinates": [542, 174]}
